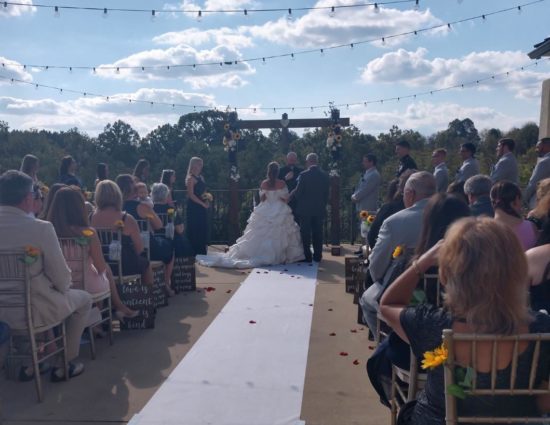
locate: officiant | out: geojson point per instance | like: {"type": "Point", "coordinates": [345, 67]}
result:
{"type": "Point", "coordinates": [289, 173]}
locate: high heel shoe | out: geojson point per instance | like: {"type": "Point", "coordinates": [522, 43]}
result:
{"type": "Point", "coordinates": [123, 316]}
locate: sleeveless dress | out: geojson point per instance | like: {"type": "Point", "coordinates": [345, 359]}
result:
{"type": "Point", "coordinates": [95, 282]}
{"type": "Point", "coordinates": [271, 237]}
{"type": "Point", "coordinates": [527, 234]}
{"type": "Point", "coordinates": [182, 246]}
{"type": "Point", "coordinates": [197, 219]}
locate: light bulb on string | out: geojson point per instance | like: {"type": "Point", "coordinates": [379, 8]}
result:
{"type": "Point", "coordinates": [416, 5]}
{"type": "Point", "coordinates": [153, 15]}
{"type": "Point", "coordinates": [245, 12]}
{"type": "Point", "coordinates": [332, 12]}
{"type": "Point", "coordinates": [56, 12]}
{"type": "Point", "coordinates": [383, 41]}
{"type": "Point", "coordinates": [519, 10]}
{"type": "Point", "coordinates": [5, 5]}
{"type": "Point", "coordinates": [104, 14]}
{"type": "Point", "coordinates": [292, 58]}
{"type": "Point", "coordinates": [199, 16]}
{"type": "Point", "coordinates": [322, 51]}
{"type": "Point", "coordinates": [376, 8]}
{"type": "Point", "coordinates": [483, 18]}
{"type": "Point", "coordinates": [289, 17]}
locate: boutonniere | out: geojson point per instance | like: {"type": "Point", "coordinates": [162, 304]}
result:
{"type": "Point", "coordinates": [206, 196]}
{"type": "Point", "coordinates": [398, 251]}
{"type": "Point", "coordinates": [171, 212]}
{"type": "Point", "coordinates": [31, 255]}
{"type": "Point", "coordinates": [85, 238]}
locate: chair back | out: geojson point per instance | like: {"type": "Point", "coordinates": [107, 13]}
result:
{"type": "Point", "coordinates": [432, 289]}
{"type": "Point", "coordinates": [15, 296]}
{"type": "Point", "coordinates": [145, 233]}
{"type": "Point", "coordinates": [111, 246]}
{"type": "Point", "coordinates": [523, 384]}
{"type": "Point", "coordinates": [76, 256]}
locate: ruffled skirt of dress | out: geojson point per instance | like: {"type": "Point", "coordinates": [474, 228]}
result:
{"type": "Point", "coordinates": [271, 237]}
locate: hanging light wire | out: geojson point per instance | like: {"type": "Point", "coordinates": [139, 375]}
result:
{"type": "Point", "coordinates": [291, 55]}
{"type": "Point", "coordinates": [472, 83]}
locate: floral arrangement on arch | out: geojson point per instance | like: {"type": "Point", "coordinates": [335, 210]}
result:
{"type": "Point", "coordinates": [334, 143]}
{"type": "Point", "coordinates": [230, 138]}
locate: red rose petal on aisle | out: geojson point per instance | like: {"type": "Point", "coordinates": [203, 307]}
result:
{"type": "Point", "coordinates": [332, 334]}
{"type": "Point", "coordinates": [252, 322]}
{"type": "Point", "coordinates": [353, 331]}
{"type": "Point", "coordinates": [228, 291]}
{"type": "Point", "coordinates": [330, 309]}
{"type": "Point", "coordinates": [361, 329]}
{"type": "Point", "coordinates": [371, 347]}
{"type": "Point", "coordinates": [210, 289]}
{"type": "Point", "coordinates": [356, 362]}
{"type": "Point", "coordinates": [343, 353]}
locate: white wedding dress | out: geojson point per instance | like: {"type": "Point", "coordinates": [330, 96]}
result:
{"type": "Point", "coordinates": [271, 237]}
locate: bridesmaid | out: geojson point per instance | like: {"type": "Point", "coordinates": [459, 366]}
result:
{"type": "Point", "coordinates": [197, 218]}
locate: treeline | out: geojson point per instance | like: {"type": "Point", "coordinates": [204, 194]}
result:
{"type": "Point", "coordinates": [201, 134]}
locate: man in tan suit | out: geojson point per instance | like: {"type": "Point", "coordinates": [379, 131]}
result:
{"type": "Point", "coordinates": [52, 299]}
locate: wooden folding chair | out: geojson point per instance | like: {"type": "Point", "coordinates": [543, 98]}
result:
{"type": "Point", "coordinates": [76, 256]}
{"type": "Point", "coordinates": [491, 343]}
{"type": "Point", "coordinates": [15, 296]}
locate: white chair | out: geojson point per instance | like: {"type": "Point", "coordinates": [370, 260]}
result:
{"type": "Point", "coordinates": [76, 256]}
{"type": "Point", "coordinates": [15, 296]}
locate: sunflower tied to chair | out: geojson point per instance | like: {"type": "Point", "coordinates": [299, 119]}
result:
{"type": "Point", "coordinates": [86, 237]}
{"type": "Point", "coordinates": [31, 255]}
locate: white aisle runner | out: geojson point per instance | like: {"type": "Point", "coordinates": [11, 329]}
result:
{"type": "Point", "coordinates": [248, 368]}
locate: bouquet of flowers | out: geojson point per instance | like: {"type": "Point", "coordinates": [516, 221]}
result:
{"type": "Point", "coordinates": [207, 197]}
{"type": "Point", "coordinates": [366, 221]}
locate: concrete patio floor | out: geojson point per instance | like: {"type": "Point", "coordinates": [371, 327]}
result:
{"type": "Point", "coordinates": [125, 376]}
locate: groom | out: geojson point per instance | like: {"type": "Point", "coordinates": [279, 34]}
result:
{"type": "Point", "coordinates": [312, 195]}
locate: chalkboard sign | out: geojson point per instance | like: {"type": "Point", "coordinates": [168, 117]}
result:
{"type": "Point", "coordinates": [138, 296]}
{"type": "Point", "coordinates": [184, 276]}
{"type": "Point", "coordinates": [351, 264]}
{"type": "Point", "coordinates": [159, 293]}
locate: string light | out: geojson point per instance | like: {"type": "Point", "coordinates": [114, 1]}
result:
{"type": "Point", "coordinates": [473, 83]}
{"type": "Point", "coordinates": [56, 11]}
{"type": "Point", "coordinates": [199, 16]}
{"type": "Point", "coordinates": [289, 16]}
{"type": "Point", "coordinates": [105, 13]}
{"type": "Point", "coordinates": [332, 12]}
{"type": "Point", "coordinates": [416, 5]}
{"type": "Point", "coordinates": [303, 52]}
{"type": "Point", "coordinates": [376, 9]}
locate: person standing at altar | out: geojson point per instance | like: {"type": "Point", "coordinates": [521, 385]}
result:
{"type": "Point", "coordinates": [311, 193]}
{"type": "Point", "coordinates": [289, 174]}
{"type": "Point", "coordinates": [197, 207]}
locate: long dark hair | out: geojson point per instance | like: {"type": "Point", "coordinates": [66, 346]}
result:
{"type": "Point", "coordinates": [127, 185]}
{"type": "Point", "coordinates": [272, 174]}
{"type": "Point", "coordinates": [67, 212]}
{"type": "Point", "coordinates": [166, 177]}
{"type": "Point", "coordinates": [503, 194]}
{"type": "Point", "coordinates": [65, 165]}
{"type": "Point", "coordinates": [141, 165]}
{"type": "Point", "coordinates": [49, 200]}
{"type": "Point", "coordinates": [441, 211]}
{"type": "Point", "coordinates": [101, 171]}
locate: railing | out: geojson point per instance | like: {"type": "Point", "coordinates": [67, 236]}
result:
{"type": "Point", "coordinates": [248, 198]}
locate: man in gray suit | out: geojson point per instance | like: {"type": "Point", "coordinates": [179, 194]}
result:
{"type": "Point", "coordinates": [401, 229]}
{"type": "Point", "coordinates": [507, 166]}
{"type": "Point", "coordinates": [52, 298]}
{"type": "Point", "coordinates": [541, 171]}
{"type": "Point", "coordinates": [441, 173]}
{"type": "Point", "coordinates": [367, 191]}
{"type": "Point", "coordinates": [470, 165]}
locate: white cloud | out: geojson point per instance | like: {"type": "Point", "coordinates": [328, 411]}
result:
{"type": "Point", "coordinates": [91, 114]}
{"type": "Point", "coordinates": [17, 10]}
{"type": "Point", "coordinates": [413, 68]}
{"type": "Point", "coordinates": [428, 117]}
{"type": "Point", "coordinates": [316, 28]}
{"type": "Point", "coordinates": [195, 37]}
{"type": "Point", "coordinates": [182, 54]}
{"type": "Point", "coordinates": [12, 69]}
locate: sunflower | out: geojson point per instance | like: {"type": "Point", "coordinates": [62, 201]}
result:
{"type": "Point", "coordinates": [170, 211]}
{"type": "Point", "coordinates": [435, 358]}
{"type": "Point", "coordinates": [236, 136]}
{"type": "Point", "coordinates": [397, 251]}
{"type": "Point", "coordinates": [364, 215]}
{"type": "Point", "coordinates": [119, 224]}
{"type": "Point", "coordinates": [88, 233]}
{"type": "Point", "coordinates": [370, 219]}
{"type": "Point", "coordinates": [226, 126]}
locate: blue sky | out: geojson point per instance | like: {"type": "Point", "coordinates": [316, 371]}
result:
{"type": "Point", "coordinates": [399, 67]}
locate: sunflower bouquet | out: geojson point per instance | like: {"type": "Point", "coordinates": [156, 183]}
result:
{"type": "Point", "coordinates": [366, 221]}
{"type": "Point", "coordinates": [207, 197]}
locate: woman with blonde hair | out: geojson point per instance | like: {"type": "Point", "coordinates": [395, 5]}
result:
{"type": "Point", "coordinates": [271, 236]}
{"type": "Point", "coordinates": [484, 271]}
{"type": "Point", "coordinates": [30, 165]}
{"type": "Point", "coordinates": [197, 207]}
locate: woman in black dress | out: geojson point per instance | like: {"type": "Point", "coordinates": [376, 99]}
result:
{"type": "Point", "coordinates": [197, 208]}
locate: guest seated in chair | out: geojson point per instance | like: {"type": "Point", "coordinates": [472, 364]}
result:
{"type": "Point", "coordinates": [483, 269]}
{"type": "Point", "coordinates": [52, 300]}
{"type": "Point", "coordinates": [69, 218]}
{"type": "Point", "coordinates": [538, 260]}
{"type": "Point", "coordinates": [109, 214]}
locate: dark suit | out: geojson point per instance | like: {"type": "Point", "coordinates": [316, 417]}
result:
{"type": "Point", "coordinates": [291, 184]}
{"type": "Point", "coordinates": [405, 163]}
{"type": "Point", "coordinates": [311, 194]}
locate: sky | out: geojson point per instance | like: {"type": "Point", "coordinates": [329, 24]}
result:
{"type": "Point", "coordinates": [363, 78]}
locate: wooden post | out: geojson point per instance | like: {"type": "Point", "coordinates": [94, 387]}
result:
{"type": "Point", "coordinates": [335, 215]}
{"type": "Point", "coordinates": [233, 228]}
{"type": "Point", "coordinates": [544, 128]}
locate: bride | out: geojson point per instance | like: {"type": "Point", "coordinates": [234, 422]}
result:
{"type": "Point", "coordinates": [271, 236]}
